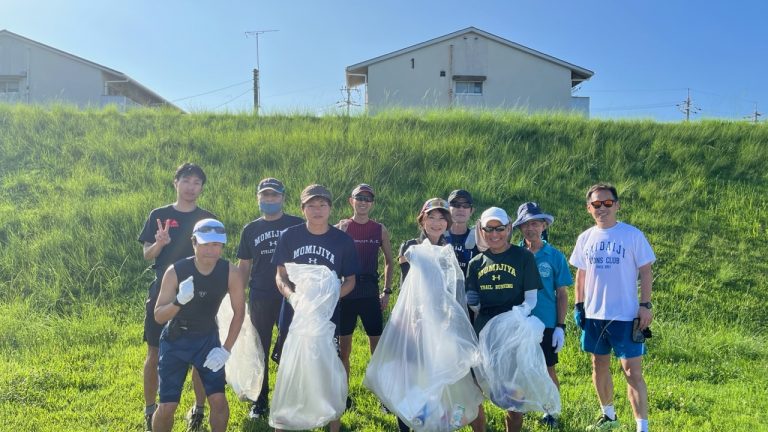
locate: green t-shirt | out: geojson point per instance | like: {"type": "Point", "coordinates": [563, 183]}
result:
{"type": "Point", "coordinates": [501, 279]}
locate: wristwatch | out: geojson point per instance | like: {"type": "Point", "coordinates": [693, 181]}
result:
{"type": "Point", "coordinates": [561, 325]}
{"type": "Point", "coordinates": [647, 305]}
{"type": "Point", "coordinates": [388, 291]}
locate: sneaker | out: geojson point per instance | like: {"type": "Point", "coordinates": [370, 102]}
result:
{"type": "Point", "coordinates": [148, 422]}
{"type": "Point", "coordinates": [604, 423]}
{"type": "Point", "coordinates": [350, 404]}
{"type": "Point", "coordinates": [258, 410]}
{"type": "Point", "coordinates": [195, 419]}
{"type": "Point", "coordinates": [549, 421]}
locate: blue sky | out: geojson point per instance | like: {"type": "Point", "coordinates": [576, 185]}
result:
{"type": "Point", "coordinates": [645, 55]}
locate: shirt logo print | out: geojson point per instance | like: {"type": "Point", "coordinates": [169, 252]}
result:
{"type": "Point", "coordinates": [495, 277]}
{"type": "Point", "coordinates": [312, 260]}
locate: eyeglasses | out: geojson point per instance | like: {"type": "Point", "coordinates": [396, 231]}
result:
{"type": "Point", "coordinates": [463, 205]}
{"type": "Point", "coordinates": [608, 203]}
{"type": "Point", "coordinates": [499, 228]}
{"type": "Point", "coordinates": [363, 198]}
{"type": "Point", "coordinates": [207, 229]}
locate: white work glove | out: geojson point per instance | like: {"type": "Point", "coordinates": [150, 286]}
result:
{"type": "Point", "coordinates": [186, 291]}
{"type": "Point", "coordinates": [473, 301]}
{"type": "Point", "coordinates": [216, 359]}
{"type": "Point", "coordinates": [558, 339]}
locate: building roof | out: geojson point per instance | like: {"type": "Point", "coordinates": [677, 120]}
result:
{"type": "Point", "coordinates": [119, 78]}
{"type": "Point", "coordinates": [355, 72]}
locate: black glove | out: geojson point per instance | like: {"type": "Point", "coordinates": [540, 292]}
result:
{"type": "Point", "coordinates": [579, 316]}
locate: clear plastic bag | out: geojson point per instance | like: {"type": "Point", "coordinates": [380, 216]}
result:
{"type": "Point", "coordinates": [513, 373]}
{"type": "Point", "coordinates": [421, 367]}
{"type": "Point", "coordinates": [311, 385]}
{"type": "Point", "coordinates": [245, 368]}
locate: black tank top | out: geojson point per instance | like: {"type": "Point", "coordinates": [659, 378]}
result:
{"type": "Point", "coordinates": [199, 314]}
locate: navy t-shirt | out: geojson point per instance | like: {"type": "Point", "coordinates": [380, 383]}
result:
{"type": "Point", "coordinates": [257, 243]}
{"type": "Point", "coordinates": [463, 255]}
{"type": "Point", "coordinates": [334, 249]}
{"type": "Point", "coordinates": [181, 226]}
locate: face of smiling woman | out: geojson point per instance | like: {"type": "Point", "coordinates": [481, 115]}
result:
{"type": "Point", "coordinates": [434, 225]}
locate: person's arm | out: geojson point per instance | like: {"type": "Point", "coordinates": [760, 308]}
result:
{"type": "Point", "coordinates": [284, 285]}
{"type": "Point", "coordinates": [237, 299]}
{"type": "Point", "coordinates": [347, 285]}
{"type": "Point", "coordinates": [404, 267]}
{"type": "Point", "coordinates": [244, 268]}
{"type": "Point", "coordinates": [562, 304]}
{"type": "Point", "coordinates": [162, 238]}
{"type": "Point", "coordinates": [165, 309]}
{"type": "Point", "coordinates": [646, 285]}
{"type": "Point", "coordinates": [386, 248]}
{"type": "Point", "coordinates": [578, 287]}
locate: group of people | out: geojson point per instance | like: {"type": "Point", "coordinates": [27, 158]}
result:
{"type": "Point", "coordinates": [191, 279]}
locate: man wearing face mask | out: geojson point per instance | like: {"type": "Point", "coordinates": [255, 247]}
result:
{"type": "Point", "coordinates": [257, 245]}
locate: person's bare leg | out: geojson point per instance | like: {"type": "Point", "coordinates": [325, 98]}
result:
{"type": "Point", "coordinates": [637, 391]}
{"type": "Point", "coordinates": [219, 412]}
{"type": "Point", "coordinates": [162, 421]}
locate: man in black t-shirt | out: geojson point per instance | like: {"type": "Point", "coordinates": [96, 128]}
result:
{"type": "Point", "coordinates": [257, 245]}
{"type": "Point", "coordinates": [166, 238]}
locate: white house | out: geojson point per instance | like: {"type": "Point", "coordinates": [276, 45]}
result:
{"type": "Point", "coordinates": [470, 68]}
{"type": "Point", "coordinates": [35, 73]}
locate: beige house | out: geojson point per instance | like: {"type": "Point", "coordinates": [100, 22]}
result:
{"type": "Point", "coordinates": [470, 68]}
{"type": "Point", "coordinates": [34, 73]}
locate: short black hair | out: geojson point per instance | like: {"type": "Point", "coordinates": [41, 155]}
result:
{"type": "Point", "coordinates": [189, 169]}
{"type": "Point", "coordinates": [603, 186]}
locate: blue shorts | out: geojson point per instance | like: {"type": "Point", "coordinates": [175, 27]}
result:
{"type": "Point", "coordinates": [189, 349]}
{"type": "Point", "coordinates": [600, 336]}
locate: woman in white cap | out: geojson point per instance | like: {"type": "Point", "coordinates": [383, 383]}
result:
{"type": "Point", "coordinates": [500, 278]}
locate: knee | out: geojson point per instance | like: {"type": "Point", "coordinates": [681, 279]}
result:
{"type": "Point", "coordinates": [634, 376]}
{"type": "Point", "coordinates": [218, 403]}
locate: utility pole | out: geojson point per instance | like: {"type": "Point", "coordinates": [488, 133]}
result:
{"type": "Point", "coordinates": [754, 117]}
{"type": "Point", "coordinates": [256, 85]}
{"type": "Point", "coordinates": [347, 101]}
{"type": "Point", "coordinates": [687, 108]}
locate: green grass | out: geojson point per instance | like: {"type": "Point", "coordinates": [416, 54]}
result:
{"type": "Point", "coordinates": [75, 188]}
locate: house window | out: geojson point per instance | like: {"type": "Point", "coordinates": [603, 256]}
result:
{"type": "Point", "coordinates": [469, 87]}
{"type": "Point", "coordinates": [9, 86]}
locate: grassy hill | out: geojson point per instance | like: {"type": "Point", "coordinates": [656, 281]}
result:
{"type": "Point", "coordinates": [76, 187]}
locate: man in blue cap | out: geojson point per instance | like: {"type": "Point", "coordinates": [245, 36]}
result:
{"type": "Point", "coordinates": [552, 300]}
{"type": "Point", "coordinates": [257, 245]}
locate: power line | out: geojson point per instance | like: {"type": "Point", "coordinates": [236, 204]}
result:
{"type": "Point", "coordinates": [212, 91]}
{"type": "Point", "coordinates": [687, 107]}
{"type": "Point", "coordinates": [233, 99]}
{"type": "Point", "coordinates": [256, 84]}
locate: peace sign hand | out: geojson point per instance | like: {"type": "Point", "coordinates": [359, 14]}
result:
{"type": "Point", "coordinates": [162, 237]}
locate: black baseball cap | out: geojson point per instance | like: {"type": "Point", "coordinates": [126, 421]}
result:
{"type": "Point", "coordinates": [459, 193]}
{"type": "Point", "coordinates": [271, 184]}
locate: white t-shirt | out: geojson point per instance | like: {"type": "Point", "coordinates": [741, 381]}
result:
{"type": "Point", "coordinates": [610, 259]}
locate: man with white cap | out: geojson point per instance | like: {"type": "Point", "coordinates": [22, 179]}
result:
{"type": "Point", "coordinates": [317, 242]}
{"type": "Point", "coordinates": [257, 245]}
{"type": "Point", "coordinates": [190, 296]}
{"type": "Point", "coordinates": [500, 278]}
{"type": "Point", "coordinates": [552, 300]}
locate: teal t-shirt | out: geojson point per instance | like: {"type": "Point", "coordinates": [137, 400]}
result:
{"type": "Point", "coordinates": [554, 272]}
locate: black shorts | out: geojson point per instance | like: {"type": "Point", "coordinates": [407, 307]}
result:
{"type": "Point", "coordinates": [369, 311]}
{"type": "Point", "coordinates": [152, 329]}
{"type": "Point", "coordinates": [550, 356]}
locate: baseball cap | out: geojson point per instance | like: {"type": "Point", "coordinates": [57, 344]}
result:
{"type": "Point", "coordinates": [494, 213]}
{"type": "Point", "coordinates": [315, 190]}
{"type": "Point", "coordinates": [529, 211]}
{"type": "Point", "coordinates": [209, 231]}
{"type": "Point", "coordinates": [460, 193]}
{"type": "Point", "coordinates": [362, 187]}
{"type": "Point", "coordinates": [434, 204]}
{"type": "Point", "coordinates": [271, 184]}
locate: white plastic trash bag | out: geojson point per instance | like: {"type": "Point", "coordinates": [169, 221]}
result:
{"type": "Point", "coordinates": [421, 367]}
{"type": "Point", "coordinates": [513, 373]}
{"type": "Point", "coordinates": [311, 385]}
{"type": "Point", "coordinates": [245, 368]}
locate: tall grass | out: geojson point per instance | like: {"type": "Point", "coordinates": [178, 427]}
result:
{"type": "Point", "coordinates": [76, 187]}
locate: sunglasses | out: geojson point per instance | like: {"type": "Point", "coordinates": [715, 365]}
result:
{"type": "Point", "coordinates": [608, 203]}
{"type": "Point", "coordinates": [462, 205]}
{"type": "Point", "coordinates": [499, 228]}
{"type": "Point", "coordinates": [208, 229]}
{"type": "Point", "coordinates": [363, 198]}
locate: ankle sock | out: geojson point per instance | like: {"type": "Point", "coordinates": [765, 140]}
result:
{"type": "Point", "coordinates": [150, 409]}
{"type": "Point", "coordinates": [609, 411]}
{"type": "Point", "coordinates": [642, 425]}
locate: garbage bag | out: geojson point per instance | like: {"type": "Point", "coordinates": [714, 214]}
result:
{"type": "Point", "coordinates": [245, 368]}
{"type": "Point", "coordinates": [311, 385]}
{"type": "Point", "coordinates": [421, 369]}
{"type": "Point", "coordinates": [513, 373]}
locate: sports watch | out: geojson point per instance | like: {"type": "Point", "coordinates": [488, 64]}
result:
{"type": "Point", "coordinates": [647, 305]}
